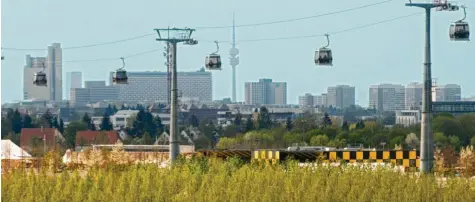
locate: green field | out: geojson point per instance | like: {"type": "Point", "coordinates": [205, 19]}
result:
{"type": "Point", "coordinates": [232, 180]}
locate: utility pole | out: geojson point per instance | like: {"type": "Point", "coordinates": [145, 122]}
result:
{"type": "Point", "coordinates": [427, 137]}
{"type": "Point", "coordinates": [178, 36]}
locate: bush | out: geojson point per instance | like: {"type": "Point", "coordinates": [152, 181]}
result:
{"type": "Point", "coordinates": [467, 161]}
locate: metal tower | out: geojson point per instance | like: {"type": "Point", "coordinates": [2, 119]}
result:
{"type": "Point", "coordinates": [234, 60]}
{"type": "Point", "coordinates": [427, 137]}
{"type": "Point", "coordinates": [179, 36]}
{"type": "Point", "coordinates": [166, 54]}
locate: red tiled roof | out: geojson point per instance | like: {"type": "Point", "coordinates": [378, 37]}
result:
{"type": "Point", "coordinates": [27, 135]}
{"type": "Point", "coordinates": [88, 137]}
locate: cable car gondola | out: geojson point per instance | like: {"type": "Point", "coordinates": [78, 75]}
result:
{"type": "Point", "coordinates": [323, 56]}
{"type": "Point", "coordinates": [459, 31]}
{"type": "Point", "coordinates": [39, 78]}
{"type": "Point", "coordinates": [120, 75]}
{"type": "Point", "coordinates": [213, 60]}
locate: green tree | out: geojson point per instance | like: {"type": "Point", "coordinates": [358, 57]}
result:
{"type": "Point", "coordinates": [319, 140]}
{"type": "Point", "coordinates": [345, 126]}
{"type": "Point", "coordinates": [238, 119]}
{"type": "Point", "coordinates": [472, 141]}
{"type": "Point", "coordinates": [193, 120]}
{"type": "Point", "coordinates": [397, 141]}
{"type": "Point", "coordinates": [146, 139]}
{"type": "Point", "coordinates": [449, 126]}
{"type": "Point", "coordinates": [455, 142]}
{"type": "Point", "coordinates": [354, 137]}
{"type": "Point", "coordinates": [249, 124]}
{"type": "Point", "coordinates": [360, 124]}
{"type": "Point", "coordinates": [106, 124]}
{"type": "Point", "coordinates": [440, 139]}
{"type": "Point", "coordinates": [230, 131]}
{"type": "Point", "coordinates": [227, 143]}
{"type": "Point", "coordinates": [207, 128]}
{"type": "Point", "coordinates": [87, 120]}
{"type": "Point", "coordinates": [47, 119]}
{"type": "Point", "coordinates": [412, 140]}
{"type": "Point", "coordinates": [71, 130]}
{"type": "Point", "coordinates": [6, 127]}
{"type": "Point", "coordinates": [326, 120]}
{"type": "Point", "coordinates": [27, 121]}
{"type": "Point", "coordinates": [264, 120]}
{"type": "Point", "coordinates": [16, 121]}
{"type": "Point", "coordinates": [61, 126]}
{"type": "Point", "coordinates": [337, 143]}
{"type": "Point", "coordinates": [288, 124]}
{"type": "Point", "coordinates": [467, 124]}
{"type": "Point", "coordinates": [158, 123]}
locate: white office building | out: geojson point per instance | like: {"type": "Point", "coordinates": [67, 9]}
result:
{"type": "Point", "coordinates": [94, 91]}
{"type": "Point", "coordinates": [53, 69]}
{"type": "Point", "coordinates": [321, 100]}
{"type": "Point", "coordinates": [341, 96]}
{"type": "Point", "coordinates": [408, 117]}
{"type": "Point", "coordinates": [306, 100]}
{"type": "Point", "coordinates": [265, 92]}
{"type": "Point", "coordinates": [153, 86]}
{"type": "Point", "coordinates": [449, 92]}
{"type": "Point", "coordinates": [73, 80]}
{"type": "Point", "coordinates": [387, 97]}
{"type": "Point", "coordinates": [413, 96]}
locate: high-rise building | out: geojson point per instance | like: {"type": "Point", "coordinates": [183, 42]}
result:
{"type": "Point", "coordinates": [321, 100]}
{"type": "Point", "coordinates": [265, 92]}
{"type": "Point", "coordinates": [387, 97]}
{"type": "Point", "coordinates": [152, 86]}
{"type": "Point", "coordinates": [449, 92]}
{"type": "Point", "coordinates": [73, 80]}
{"type": "Point", "coordinates": [94, 91]}
{"type": "Point", "coordinates": [30, 90]}
{"type": "Point", "coordinates": [341, 96]}
{"type": "Point", "coordinates": [53, 64]}
{"type": "Point", "coordinates": [413, 96]}
{"type": "Point", "coordinates": [306, 100]}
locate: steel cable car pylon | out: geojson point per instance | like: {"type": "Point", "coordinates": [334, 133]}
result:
{"type": "Point", "coordinates": [213, 60]}
{"type": "Point", "coordinates": [39, 78]}
{"type": "Point", "coordinates": [323, 56]}
{"type": "Point", "coordinates": [460, 30]}
{"type": "Point", "coordinates": [120, 75]}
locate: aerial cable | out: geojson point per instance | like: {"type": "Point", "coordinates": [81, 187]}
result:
{"type": "Point", "coordinates": [79, 47]}
{"type": "Point", "coordinates": [258, 40]}
{"type": "Point", "coordinates": [331, 33]}
{"type": "Point", "coordinates": [296, 19]}
{"type": "Point", "coordinates": [204, 27]}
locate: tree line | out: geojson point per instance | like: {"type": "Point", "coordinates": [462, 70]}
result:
{"type": "Point", "coordinates": [310, 129]}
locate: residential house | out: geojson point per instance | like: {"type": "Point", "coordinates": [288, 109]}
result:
{"type": "Point", "coordinates": [87, 138]}
{"type": "Point", "coordinates": [33, 140]}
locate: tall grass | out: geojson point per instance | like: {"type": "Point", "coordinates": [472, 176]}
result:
{"type": "Point", "coordinates": [201, 179]}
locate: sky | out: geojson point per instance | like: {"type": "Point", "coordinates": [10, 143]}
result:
{"type": "Point", "coordinates": [385, 53]}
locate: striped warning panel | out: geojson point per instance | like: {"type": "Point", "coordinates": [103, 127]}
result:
{"type": "Point", "coordinates": [406, 158]}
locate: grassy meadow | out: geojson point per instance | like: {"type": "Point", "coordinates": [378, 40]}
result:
{"type": "Point", "coordinates": [202, 179]}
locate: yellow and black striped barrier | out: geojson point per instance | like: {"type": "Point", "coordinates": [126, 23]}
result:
{"type": "Point", "coordinates": [406, 158]}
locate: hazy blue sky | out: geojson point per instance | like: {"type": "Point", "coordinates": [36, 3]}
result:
{"type": "Point", "coordinates": [385, 53]}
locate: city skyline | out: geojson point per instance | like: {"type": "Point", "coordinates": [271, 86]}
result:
{"type": "Point", "coordinates": [258, 60]}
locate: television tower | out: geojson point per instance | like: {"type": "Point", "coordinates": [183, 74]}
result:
{"type": "Point", "coordinates": [233, 60]}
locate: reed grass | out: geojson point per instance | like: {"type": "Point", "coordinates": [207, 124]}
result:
{"type": "Point", "coordinates": [203, 179]}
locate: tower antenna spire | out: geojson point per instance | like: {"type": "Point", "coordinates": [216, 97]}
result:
{"type": "Point", "coordinates": [234, 60]}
